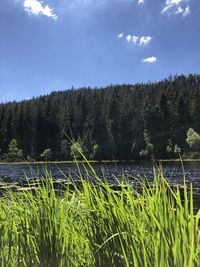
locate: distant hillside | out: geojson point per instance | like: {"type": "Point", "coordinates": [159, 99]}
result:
{"type": "Point", "coordinates": [121, 122]}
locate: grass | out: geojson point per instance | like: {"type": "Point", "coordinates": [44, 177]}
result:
{"type": "Point", "coordinates": [95, 225]}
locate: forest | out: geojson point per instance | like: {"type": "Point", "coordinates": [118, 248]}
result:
{"type": "Point", "coordinates": [123, 122]}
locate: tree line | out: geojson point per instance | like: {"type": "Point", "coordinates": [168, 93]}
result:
{"type": "Point", "coordinates": [117, 122]}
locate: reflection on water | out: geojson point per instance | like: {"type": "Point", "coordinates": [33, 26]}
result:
{"type": "Point", "coordinates": [173, 172]}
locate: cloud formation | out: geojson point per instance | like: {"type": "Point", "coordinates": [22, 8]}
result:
{"type": "Point", "coordinates": [138, 40]}
{"type": "Point", "coordinates": [36, 7]}
{"type": "Point", "coordinates": [132, 39]}
{"type": "Point", "coordinates": [120, 35]}
{"type": "Point", "coordinates": [144, 40]}
{"type": "Point", "coordinates": [140, 2]}
{"type": "Point", "coordinates": [186, 11]}
{"type": "Point", "coordinates": [176, 7]}
{"type": "Point", "coordinates": [150, 60]}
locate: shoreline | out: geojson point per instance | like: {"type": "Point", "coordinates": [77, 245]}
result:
{"type": "Point", "coordinates": [96, 161]}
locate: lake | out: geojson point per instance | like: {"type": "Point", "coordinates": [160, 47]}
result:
{"type": "Point", "coordinates": [173, 172]}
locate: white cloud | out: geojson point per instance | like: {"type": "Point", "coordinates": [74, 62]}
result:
{"type": "Point", "coordinates": [166, 9]}
{"type": "Point", "coordinates": [179, 10]}
{"type": "Point", "coordinates": [132, 39]}
{"type": "Point", "coordinates": [140, 2]}
{"type": "Point", "coordinates": [186, 11]}
{"type": "Point", "coordinates": [183, 11]}
{"type": "Point", "coordinates": [150, 60]}
{"type": "Point", "coordinates": [36, 7]}
{"type": "Point", "coordinates": [176, 7]}
{"type": "Point", "coordinates": [144, 40]}
{"type": "Point", "coordinates": [138, 40]}
{"type": "Point", "coordinates": [174, 2]}
{"type": "Point", "coordinates": [120, 35]}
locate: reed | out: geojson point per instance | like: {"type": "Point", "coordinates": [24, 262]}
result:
{"type": "Point", "coordinates": [95, 225]}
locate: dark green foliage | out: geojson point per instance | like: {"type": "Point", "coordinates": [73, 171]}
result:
{"type": "Point", "coordinates": [149, 149]}
{"type": "Point", "coordinates": [109, 123]}
{"type": "Point", "coordinates": [172, 149]}
{"type": "Point", "coordinates": [14, 153]}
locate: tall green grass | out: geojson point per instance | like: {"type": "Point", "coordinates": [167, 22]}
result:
{"type": "Point", "coordinates": [95, 225]}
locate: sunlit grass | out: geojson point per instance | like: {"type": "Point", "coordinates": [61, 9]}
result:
{"type": "Point", "coordinates": [95, 225]}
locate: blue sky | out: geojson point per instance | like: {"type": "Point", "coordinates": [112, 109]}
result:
{"type": "Point", "coordinates": [56, 44]}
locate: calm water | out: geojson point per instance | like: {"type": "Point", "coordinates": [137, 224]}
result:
{"type": "Point", "coordinates": [173, 172]}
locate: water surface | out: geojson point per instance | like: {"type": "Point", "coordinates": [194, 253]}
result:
{"type": "Point", "coordinates": [173, 172]}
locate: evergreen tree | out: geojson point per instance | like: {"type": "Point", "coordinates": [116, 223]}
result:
{"type": "Point", "coordinates": [109, 122]}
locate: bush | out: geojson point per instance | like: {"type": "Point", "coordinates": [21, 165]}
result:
{"type": "Point", "coordinates": [14, 153]}
{"type": "Point", "coordinates": [191, 155]}
{"type": "Point", "coordinates": [193, 140]}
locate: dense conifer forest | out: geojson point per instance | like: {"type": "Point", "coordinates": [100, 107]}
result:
{"type": "Point", "coordinates": [117, 122]}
